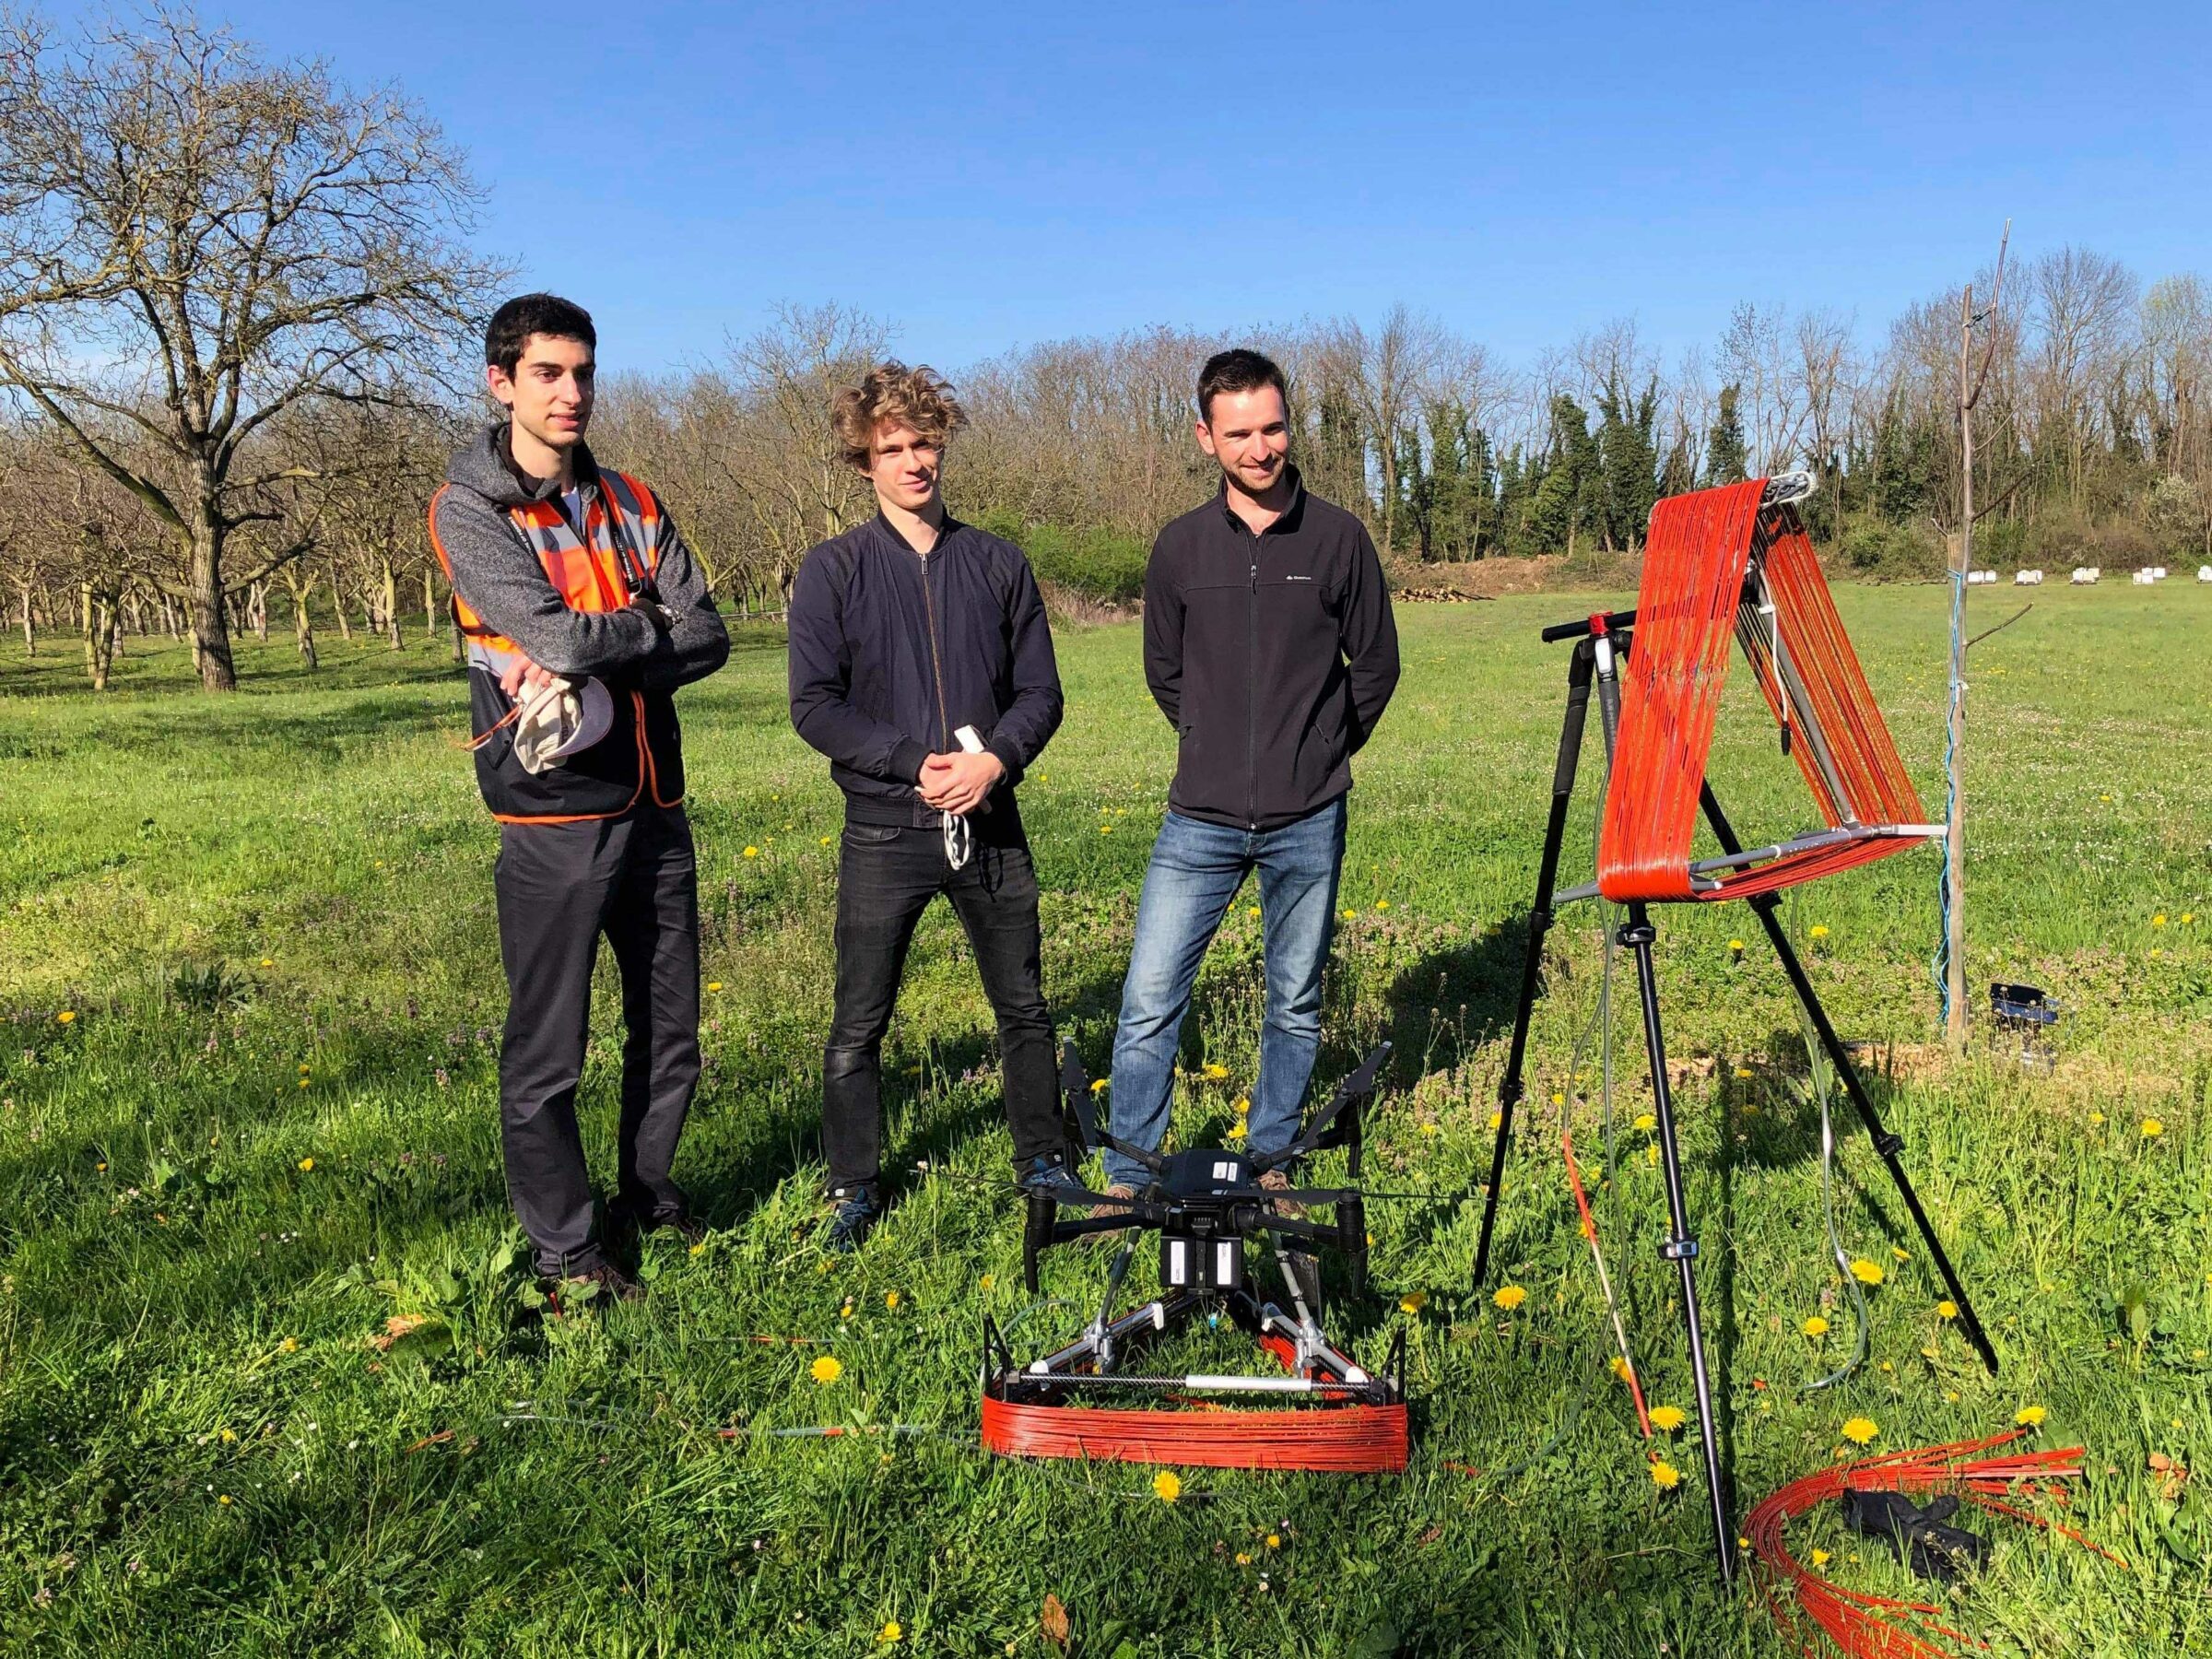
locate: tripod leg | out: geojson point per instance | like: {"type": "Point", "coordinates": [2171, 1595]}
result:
{"type": "Point", "coordinates": [1579, 671]}
{"type": "Point", "coordinates": [1681, 1248]}
{"type": "Point", "coordinates": [1887, 1142]}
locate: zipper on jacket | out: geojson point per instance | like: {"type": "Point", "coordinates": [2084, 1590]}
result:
{"type": "Point", "coordinates": [936, 666]}
{"type": "Point", "coordinates": [1252, 694]}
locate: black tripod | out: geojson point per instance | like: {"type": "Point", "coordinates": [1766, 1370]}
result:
{"type": "Point", "coordinates": [1599, 642]}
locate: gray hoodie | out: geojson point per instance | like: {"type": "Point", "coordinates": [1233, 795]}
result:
{"type": "Point", "coordinates": [501, 578]}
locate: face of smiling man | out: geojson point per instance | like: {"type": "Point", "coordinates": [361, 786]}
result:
{"type": "Point", "coordinates": [549, 398]}
{"type": "Point", "coordinates": [1249, 434]}
{"type": "Point", "coordinates": [904, 466]}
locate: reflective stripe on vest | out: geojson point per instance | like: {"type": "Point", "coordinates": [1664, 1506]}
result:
{"type": "Point", "coordinates": [618, 555]}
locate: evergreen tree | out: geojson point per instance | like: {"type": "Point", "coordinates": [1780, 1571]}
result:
{"type": "Point", "coordinates": [1629, 463]}
{"type": "Point", "coordinates": [1724, 448]}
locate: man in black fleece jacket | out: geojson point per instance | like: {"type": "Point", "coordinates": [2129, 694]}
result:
{"type": "Point", "coordinates": [565, 573]}
{"type": "Point", "coordinates": [1269, 646]}
{"type": "Point", "coordinates": [922, 664]}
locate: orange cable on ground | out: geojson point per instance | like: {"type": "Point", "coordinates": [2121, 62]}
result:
{"type": "Point", "coordinates": [1877, 1627]}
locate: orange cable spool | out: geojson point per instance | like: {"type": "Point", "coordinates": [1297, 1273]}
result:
{"type": "Point", "coordinates": [1719, 569]}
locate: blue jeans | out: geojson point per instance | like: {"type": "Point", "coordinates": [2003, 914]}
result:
{"type": "Point", "coordinates": [1195, 871]}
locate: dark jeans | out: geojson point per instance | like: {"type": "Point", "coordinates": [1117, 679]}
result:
{"type": "Point", "coordinates": [560, 886]}
{"type": "Point", "coordinates": [886, 875]}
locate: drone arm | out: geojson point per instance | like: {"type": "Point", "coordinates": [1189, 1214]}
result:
{"type": "Point", "coordinates": [1355, 1088]}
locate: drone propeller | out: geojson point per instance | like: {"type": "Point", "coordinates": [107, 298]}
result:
{"type": "Point", "coordinates": [1349, 1092]}
{"type": "Point", "coordinates": [1075, 1087]}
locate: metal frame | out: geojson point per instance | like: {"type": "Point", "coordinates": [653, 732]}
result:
{"type": "Point", "coordinates": [1599, 641]}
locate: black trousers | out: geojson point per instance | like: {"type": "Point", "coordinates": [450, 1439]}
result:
{"type": "Point", "coordinates": [634, 878]}
{"type": "Point", "coordinates": [886, 875]}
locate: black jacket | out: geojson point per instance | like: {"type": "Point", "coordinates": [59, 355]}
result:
{"type": "Point", "coordinates": [892, 652]}
{"type": "Point", "coordinates": [1272, 656]}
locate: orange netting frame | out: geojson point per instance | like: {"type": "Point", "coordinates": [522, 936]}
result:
{"type": "Point", "coordinates": [1688, 609]}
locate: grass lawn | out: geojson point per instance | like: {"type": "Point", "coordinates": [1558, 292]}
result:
{"type": "Point", "coordinates": [250, 987]}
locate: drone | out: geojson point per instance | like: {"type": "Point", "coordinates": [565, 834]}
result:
{"type": "Point", "coordinates": [1216, 1227]}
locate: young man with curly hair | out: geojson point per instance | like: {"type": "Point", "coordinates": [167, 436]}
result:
{"type": "Point", "coordinates": [922, 665]}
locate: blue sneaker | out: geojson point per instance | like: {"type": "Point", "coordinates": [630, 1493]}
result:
{"type": "Point", "coordinates": [852, 1220]}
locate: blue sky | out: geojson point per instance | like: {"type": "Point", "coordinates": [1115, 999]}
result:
{"type": "Point", "coordinates": [985, 176]}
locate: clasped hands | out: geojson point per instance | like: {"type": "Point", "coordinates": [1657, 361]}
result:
{"type": "Point", "coordinates": [959, 782]}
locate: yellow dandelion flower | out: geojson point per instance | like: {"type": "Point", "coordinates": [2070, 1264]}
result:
{"type": "Point", "coordinates": [100, 1167]}
{"type": "Point", "coordinates": [304, 1068]}
{"type": "Point", "coordinates": [307, 1163]}
{"type": "Point", "coordinates": [1497, 1118]}
{"type": "Point", "coordinates": [1815, 1325]}
{"type": "Point", "coordinates": [2096, 1120]}
{"type": "Point", "coordinates": [1167, 1485]}
{"type": "Point", "coordinates": [1253, 911]}
{"type": "Point", "coordinates": [825, 841]}
{"type": "Point", "coordinates": [1737, 945]}
{"type": "Point", "coordinates": [227, 1436]}
{"type": "Point", "coordinates": [1866, 1272]}
{"type": "Point", "coordinates": [2159, 920]}
{"type": "Point", "coordinates": [1667, 1418]}
{"type": "Point", "coordinates": [2030, 1416]}
{"type": "Point", "coordinates": [1105, 828]}
{"type": "Point", "coordinates": [1382, 904]}
{"type": "Point", "coordinates": [1651, 1155]}
{"type": "Point", "coordinates": [1237, 1133]}
{"type": "Point", "coordinates": [224, 1501]}
{"type": "Point", "coordinates": [2153, 1128]}
{"type": "Point", "coordinates": [1216, 1071]}
{"type": "Point", "coordinates": [290, 1345]}
{"type": "Point", "coordinates": [1646, 1122]}
{"type": "Point", "coordinates": [989, 1281]}
{"type": "Point", "coordinates": [1275, 1540]}
{"type": "Point", "coordinates": [1818, 931]}
{"type": "Point", "coordinates": [1099, 1086]}
{"type": "Point", "coordinates": [1947, 1309]}
{"type": "Point", "coordinates": [1859, 1430]}
{"type": "Point", "coordinates": [827, 1370]}
{"type": "Point", "coordinates": [1743, 1071]}
{"type": "Point", "coordinates": [1822, 1557]}
{"type": "Point", "coordinates": [891, 1299]}
{"type": "Point", "coordinates": [1243, 1105]}
{"type": "Point", "coordinates": [1666, 1476]}
{"type": "Point", "coordinates": [1347, 915]}
{"type": "Point", "coordinates": [66, 1016]}
{"type": "Point", "coordinates": [304, 1082]}
{"type": "Point", "coordinates": [714, 985]}
{"type": "Point", "coordinates": [1413, 1301]}
{"type": "Point", "coordinates": [1428, 1129]}
{"type": "Point", "coordinates": [268, 961]}
{"type": "Point", "coordinates": [2187, 917]}
{"type": "Point", "coordinates": [1243, 1558]}
{"type": "Point", "coordinates": [1509, 1297]}
{"type": "Point", "coordinates": [752, 852]}
{"type": "Point", "coordinates": [1619, 1368]}
{"type": "Point", "coordinates": [892, 1631]}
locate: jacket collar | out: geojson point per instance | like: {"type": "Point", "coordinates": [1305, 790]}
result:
{"type": "Point", "coordinates": [946, 532]}
{"type": "Point", "coordinates": [1291, 514]}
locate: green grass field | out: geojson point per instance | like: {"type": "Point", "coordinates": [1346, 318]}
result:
{"type": "Point", "coordinates": [248, 1109]}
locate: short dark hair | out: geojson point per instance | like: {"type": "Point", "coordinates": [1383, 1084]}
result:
{"type": "Point", "coordinates": [1239, 369]}
{"type": "Point", "coordinates": [513, 325]}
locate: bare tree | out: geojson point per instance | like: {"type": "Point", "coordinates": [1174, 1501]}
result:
{"type": "Point", "coordinates": [261, 237]}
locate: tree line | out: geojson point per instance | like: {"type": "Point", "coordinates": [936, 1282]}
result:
{"type": "Point", "coordinates": [240, 300]}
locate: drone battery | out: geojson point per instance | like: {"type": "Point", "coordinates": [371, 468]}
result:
{"type": "Point", "coordinates": [1188, 1264]}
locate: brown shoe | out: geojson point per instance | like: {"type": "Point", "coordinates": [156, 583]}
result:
{"type": "Point", "coordinates": [595, 1287]}
{"type": "Point", "coordinates": [1279, 1181]}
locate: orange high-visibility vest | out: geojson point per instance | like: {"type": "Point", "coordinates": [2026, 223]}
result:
{"type": "Point", "coordinates": [641, 758]}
